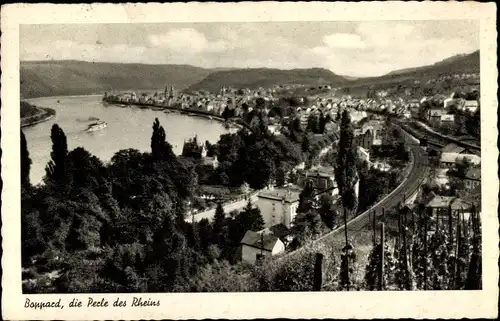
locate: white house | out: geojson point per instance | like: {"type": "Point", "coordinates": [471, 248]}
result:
{"type": "Point", "coordinates": [452, 153]}
{"type": "Point", "coordinates": [278, 205]}
{"type": "Point", "coordinates": [322, 177]}
{"type": "Point", "coordinates": [260, 244]}
{"type": "Point", "coordinates": [472, 178]}
{"type": "Point", "coordinates": [447, 118]}
{"type": "Point", "coordinates": [471, 105]}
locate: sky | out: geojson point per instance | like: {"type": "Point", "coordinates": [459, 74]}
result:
{"type": "Point", "coordinates": [359, 49]}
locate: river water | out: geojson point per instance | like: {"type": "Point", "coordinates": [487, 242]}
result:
{"type": "Point", "coordinates": [128, 127]}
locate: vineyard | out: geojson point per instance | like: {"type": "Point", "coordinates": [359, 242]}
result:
{"type": "Point", "coordinates": [422, 250]}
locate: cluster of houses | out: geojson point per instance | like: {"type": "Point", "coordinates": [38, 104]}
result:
{"type": "Point", "coordinates": [451, 157]}
{"type": "Point", "coordinates": [214, 103]}
{"type": "Point", "coordinates": [445, 212]}
{"type": "Point", "coordinates": [463, 76]}
{"type": "Point", "coordinates": [451, 154]}
{"type": "Point", "coordinates": [278, 207]}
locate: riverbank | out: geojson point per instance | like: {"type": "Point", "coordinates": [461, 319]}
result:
{"type": "Point", "coordinates": [183, 111]}
{"type": "Point", "coordinates": [43, 115]}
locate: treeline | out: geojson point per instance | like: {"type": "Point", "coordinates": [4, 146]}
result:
{"type": "Point", "coordinates": [31, 114]}
{"type": "Point", "coordinates": [259, 158]}
{"type": "Point", "coordinates": [117, 227]}
{"type": "Point", "coordinates": [28, 110]}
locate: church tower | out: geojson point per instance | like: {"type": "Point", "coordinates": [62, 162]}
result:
{"type": "Point", "coordinates": [172, 92]}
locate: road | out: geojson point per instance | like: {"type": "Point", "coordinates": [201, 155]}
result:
{"type": "Point", "coordinates": [416, 177]}
{"type": "Point", "coordinates": [228, 208]}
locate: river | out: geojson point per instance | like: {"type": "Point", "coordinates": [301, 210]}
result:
{"type": "Point", "coordinates": [128, 127]}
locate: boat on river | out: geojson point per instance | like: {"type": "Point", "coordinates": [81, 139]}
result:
{"type": "Point", "coordinates": [97, 126]}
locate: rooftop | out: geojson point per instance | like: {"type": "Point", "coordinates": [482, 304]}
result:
{"type": "Point", "coordinates": [439, 201]}
{"type": "Point", "coordinates": [459, 204]}
{"type": "Point", "coordinates": [473, 173]}
{"type": "Point", "coordinates": [278, 230]}
{"type": "Point", "coordinates": [259, 240]}
{"type": "Point", "coordinates": [452, 148]}
{"type": "Point", "coordinates": [289, 195]}
{"type": "Point", "coordinates": [471, 103]}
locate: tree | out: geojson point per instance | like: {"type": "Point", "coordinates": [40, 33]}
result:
{"type": "Point", "coordinates": [306, 201]}
{"type": "Point", "coordinates": [192, 149]}
{"type": "Point", "coordinates": [220, 276]}
{"type": "Point", "coordinates": [323, 120]}
{"type": "Point", "coordinates": [346, 177]}
{"type": "Point", "coordinates": [211, 149]}
{"type": "Point", "coordinates": [250, 219]}
{"type": "Point", "coordinates": [313, 124]}
{"type": "Point", "coordinates": [160, 149]}
{"type": "Point", "coordinates": [84, 169]}
{"type": "Point", "coordinates": [168, 258]}
{"type": "Point", "coordinates": [31, 235]}
{"type": "Point", "coordinates": [307, 224]}
{"type": "Point", "coordinates": [205, 234]}
{"type": "Point", "coordinates": [25, 163]}
{"type": "Point", "coordinates": [56, 168]}
{"type": "Point", "coordinates": [244, 188]}
{"type": "Point", "coordinates": [218, 226]}
{"type": "Point", "coordinates": [345, 170]}
{"type": "Point", "coordinates": [327, 210]}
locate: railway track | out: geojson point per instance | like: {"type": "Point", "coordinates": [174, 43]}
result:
{"type": "Point", "coordinates": [434, 138]}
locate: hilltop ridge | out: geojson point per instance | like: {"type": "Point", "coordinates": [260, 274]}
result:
{"type": "Point", "coordinates": [263, 77]}
{"type": "Point", "coordinates": [73, 77]}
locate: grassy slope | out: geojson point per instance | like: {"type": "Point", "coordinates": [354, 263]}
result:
{"type": "Point", "coordinates": [79, 77]}
{"type": "Point", "coordinates": [463, 63]}
{"type": "Point", "coordinates": [263, 77]}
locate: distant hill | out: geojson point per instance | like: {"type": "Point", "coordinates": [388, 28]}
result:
{"type": "Point", "coordinates": [457, 63]}
{"type": "Point", "coordinates": [71, 77]}
{"type": "Point", "coordinates": [349, 77]}
{"type": "Point", "coordinates": [264, 77]}
{"type": "Point", "coordinates": [404, 78]}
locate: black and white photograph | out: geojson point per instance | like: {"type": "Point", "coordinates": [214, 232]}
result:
{"type": "Point", "coordinates": [250, 156]}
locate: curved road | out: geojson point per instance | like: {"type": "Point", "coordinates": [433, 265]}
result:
{"type": "Point", "coordinates": [410, 185]}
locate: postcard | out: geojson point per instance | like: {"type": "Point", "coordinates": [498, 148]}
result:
{"type": "Point", "coordinates": [249, 160]}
